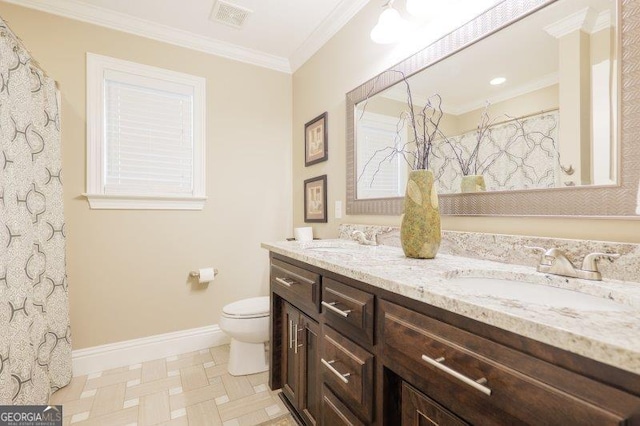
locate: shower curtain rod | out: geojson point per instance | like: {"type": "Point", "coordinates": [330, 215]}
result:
{"type": "Point", "coordinates": [32, 60]}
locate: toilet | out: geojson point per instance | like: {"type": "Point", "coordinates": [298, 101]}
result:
{"type": "Point", "coordinates": [247, 323]}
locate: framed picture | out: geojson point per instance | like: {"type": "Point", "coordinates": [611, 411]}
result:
{"type": "Point", "coordinates": [315, 199]}
{"type": "Point", "coordinates": [315, 140]}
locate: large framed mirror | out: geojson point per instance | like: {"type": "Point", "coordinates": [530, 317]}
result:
{"type": "Point", "coordinates": [536, 97]}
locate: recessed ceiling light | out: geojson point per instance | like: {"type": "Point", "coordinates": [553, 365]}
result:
{"type": "Point", "coordinates": [497, 81]}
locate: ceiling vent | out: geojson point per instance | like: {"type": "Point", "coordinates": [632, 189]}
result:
{"type": "Point", "coordinates": [230, 14]}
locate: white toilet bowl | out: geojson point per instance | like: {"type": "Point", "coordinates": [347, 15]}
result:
{"type": "Point", "coordinates": [247, 322]}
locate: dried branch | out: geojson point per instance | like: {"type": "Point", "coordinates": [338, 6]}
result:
{"type": "Point", "coordinates": [423, 127]}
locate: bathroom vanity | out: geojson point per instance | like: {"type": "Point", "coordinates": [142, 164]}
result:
{"type": "Point", "coordinates": [363, 335]}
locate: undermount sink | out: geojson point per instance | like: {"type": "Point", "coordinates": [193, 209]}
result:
{"type": "Point", "coordinates": [539, 294]}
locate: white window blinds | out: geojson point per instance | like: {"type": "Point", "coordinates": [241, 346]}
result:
{"type": "Point", "coordinates": [380, 174]}
{"type": "Point", "coordinates": [149, 140]}
{"type": "Point", "coordinates": [145, 136]}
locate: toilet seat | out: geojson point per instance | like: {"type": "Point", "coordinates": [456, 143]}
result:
{"type": "Point", "coordinates": [254, 307]}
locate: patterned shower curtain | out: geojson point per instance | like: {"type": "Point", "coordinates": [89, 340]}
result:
{"type": "Point", "coordinates": [35, 345]}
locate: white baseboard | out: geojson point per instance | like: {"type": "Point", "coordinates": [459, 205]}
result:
{"type": "Point", "coordinates": [121, 354]}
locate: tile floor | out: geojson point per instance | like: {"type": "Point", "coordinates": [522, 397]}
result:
{"type": "Point", "coordinates": [191, 389]}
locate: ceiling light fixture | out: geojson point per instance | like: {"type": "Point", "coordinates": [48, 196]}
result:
{"type": "Point", "coordinates": [390, 27]}
{"type": "Point", "coordinates": [419, 8]}
{"type": "Point", "coordinates": [497, 81]}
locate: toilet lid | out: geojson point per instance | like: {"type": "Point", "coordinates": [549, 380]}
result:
{"type": "Point", "coordinates": [254, 306]}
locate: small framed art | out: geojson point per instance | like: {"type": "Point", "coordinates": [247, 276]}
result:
{"type": "Point", "coordinates": [316, 140]}
{"type": "Point", "coordinates": [315, 199]}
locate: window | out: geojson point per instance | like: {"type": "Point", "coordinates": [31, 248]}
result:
{"type": "Point", "coordinates": [145, 136]}
{"type": "Point", "coordinates": [374, 161]}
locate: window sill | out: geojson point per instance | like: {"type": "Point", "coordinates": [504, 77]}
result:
{"type": "Point", "coordinates": [143, 202]}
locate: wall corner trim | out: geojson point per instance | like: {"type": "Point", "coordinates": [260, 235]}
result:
{"type": "Point", "coordinates": [128, 352]}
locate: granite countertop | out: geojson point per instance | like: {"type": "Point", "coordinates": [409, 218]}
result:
{"type": "Point", "coordinates": [609, 335]}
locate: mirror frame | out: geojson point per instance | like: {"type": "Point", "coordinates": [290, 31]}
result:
{"type": "Point", "coordinates": [612, 201]}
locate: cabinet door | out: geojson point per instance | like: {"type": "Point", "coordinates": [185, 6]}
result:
{"type": "Point", "coordinates": [419, 410]}
{"type": "Point", "coordinates": [309, 355]}
{"type": "Point", "coordinates": [290, 360]}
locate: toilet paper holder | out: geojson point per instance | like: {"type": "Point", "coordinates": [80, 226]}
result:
{"type": "Point", "coordinates": [196, 274]}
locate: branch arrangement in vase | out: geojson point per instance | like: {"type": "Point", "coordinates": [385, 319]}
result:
{"type": "Point", "coordinates": [420, 141]}
{"type": "Point", "coordinates": [472, 165]}
{"type": "Point", "coordinates": [423, 127]}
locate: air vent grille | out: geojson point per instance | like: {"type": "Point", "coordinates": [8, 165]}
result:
{"type": "Point", "coordinates": [230, 14]}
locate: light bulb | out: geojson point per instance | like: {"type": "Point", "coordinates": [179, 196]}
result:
{"type": "Point", "coordinates": [390, 27]}
{"type": "Point", "coordinates": [497, 81]}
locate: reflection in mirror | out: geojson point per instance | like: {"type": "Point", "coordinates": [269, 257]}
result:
{"type": "Point", "coordinates": [532, 106]}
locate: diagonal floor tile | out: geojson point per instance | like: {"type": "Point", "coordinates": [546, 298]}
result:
{"type": "Point", "coordinates": [154, 370]}
{"type": "Point", "coordinates": [111, 379]}
{"type": "Point", "coordinates": [237, 386]}
{"type": "Point", "coordinates": [240, 407]}
{"type": "Point", "coordinates": [108, 400]}
{"type": "Point", "coordinates": [196, 396]}
{"type": "Point", "coordinates": [190, 389]}
{"type": "Point", "coordinates": [154, 409]}
{"type": "Point", "coordinates": [204, 414]}
{"type": "Point", "coordinates": [153, 387]}
{"type": "Point", "coordinates": [193, 377]}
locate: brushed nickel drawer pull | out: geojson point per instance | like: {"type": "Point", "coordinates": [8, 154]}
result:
{"type": "Point", "coordinates": [300, 278]}
{"type": "Point", "coordinates": [290, 334]}
{"type": "Point", "coordinates": [476, 384]}
{"type": "Point", "coordinates": [331, 368]}
{"type": "Point", "coordinates": [330, 305]}
{"type": "Point", "coordinates": [286, 281]}
{"type": "Point", "coordinates": [295, 338]}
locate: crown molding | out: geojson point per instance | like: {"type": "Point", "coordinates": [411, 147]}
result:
{"type": "Point", "coordinates": [337, 19]}
{"type": "Point", "coordinates": [584, 20]}
{"type": "Point", "coordinates": [602, 21]}
{"type": "Point", "coordinates": [141, 27]}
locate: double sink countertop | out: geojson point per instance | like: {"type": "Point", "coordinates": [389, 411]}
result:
{"type": "Point", "coordinates": [599, 320]}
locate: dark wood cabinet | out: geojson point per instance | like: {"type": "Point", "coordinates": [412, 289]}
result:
{"type": "Point", "coordinates": [348, 310]}
{"type": "Point", "coordinates": [487, 383]}
{"type": "Point", "coordinates": [420, 410]}
{"type": "Point", "coordinates": [347, 369]}
{"type": "Point", "coordinates": [290, 358]}
{"type": "Point", "coordinates": [347, 353]}
{"type": "Point", "coordinates": [335, 412]}
{"type": "Point", "coordinates": [309, 402]}
{"type": "Point", "coordinates": [300, 363]}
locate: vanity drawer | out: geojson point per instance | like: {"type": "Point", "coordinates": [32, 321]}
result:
{"type": "Point", "coordinates": [297, 285]}
{"type": "Point", "coordinates": [347, 370]}
{"type": "Point", "coordinates": [418, 409]}
{"type": "Point", "coordinates": [482, 381]}
{"type": "Point", "coordinates": [348, 309]}
{"type": "Point", "coordinates": [335, 413]}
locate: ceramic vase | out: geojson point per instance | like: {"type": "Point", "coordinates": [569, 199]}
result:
{"type": "Point", "coordinates": [420, 229]}
{"type": "Point", "coordinates": [472, 183]}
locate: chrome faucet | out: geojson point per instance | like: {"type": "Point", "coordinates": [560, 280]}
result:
{"type": "Point", "coordinates": [360, 237]}
{"type": "Point", "coordinates": [554, 261]}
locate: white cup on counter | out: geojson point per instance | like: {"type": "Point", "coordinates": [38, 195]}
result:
{"type": "Point", "coordinates": [303, 234]}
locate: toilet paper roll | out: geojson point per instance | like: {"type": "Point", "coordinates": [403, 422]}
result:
{"type": "Point", "coordinates": [206, 275]}
{"type": "Point", "coordinates": [303, 234]}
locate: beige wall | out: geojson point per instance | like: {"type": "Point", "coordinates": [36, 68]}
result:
{"type": "Point", "coordinates": [346, 61]}
{"type": "Point", "coordinates": [128, 270]}
{"type": "Point", "coordinates": [544, 99]}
